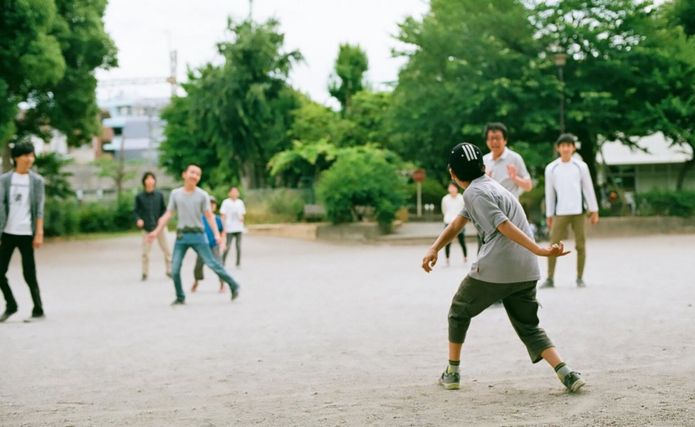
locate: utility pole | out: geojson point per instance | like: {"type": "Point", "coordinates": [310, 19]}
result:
{"type": "Point", "coordinates": [250, 10]}
{"type": "Point", "coordinates": [173, 65]}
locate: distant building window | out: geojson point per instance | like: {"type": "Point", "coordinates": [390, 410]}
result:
{"type": "Point", "coordinates": [622, 176]}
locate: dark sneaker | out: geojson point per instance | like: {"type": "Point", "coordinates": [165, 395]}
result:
{"type": "Point", "coordinates": [235, 294]}
{"type": "Point", "coordinates": [35, 318]}
{"type": "Point", "coordinates": [580, 283]}
{"type": "Point", "coordinates": [179, 302]}
{"type": "Point", "coordinates": [144, 277]}
{"type": "Point", "coordinates": [169, 275]}
{"type": "Point", "coordinates": [6, 315]}
{"type": "Point", "coordinates": [450, 380]}
{"type": "Point", "coordinates": [549, 283]}
{"type": "Point", "coordinates": [195, 286]}
{"type": "Point", "coordinates": [573, 381]}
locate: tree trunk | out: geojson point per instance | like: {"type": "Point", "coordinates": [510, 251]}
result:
{"type": "Point", "coordinates": [684, 171]}
{"type": "Point", "coordinates": [6, 157]}
{"type": "Point", "coordinates": [588, 153]}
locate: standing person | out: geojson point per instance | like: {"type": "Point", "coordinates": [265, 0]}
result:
{"type": "Point", "coordinates": [506, 268]}
{"type": "Point", "coordinates": [232, 212]}
{"type": "Point", "coordinates": [568, 189]}
{"type": "Point", "coordinates": [190, 204]}
{"type": "Point", "coordinates": [452, 205]}
{"type": "Point", "coordinates": [21, 222]}
{"type": "Point", "coordinates": [149, 207]}
{"type": "Point", "coordinates": [214, 247]}
{"type": "Point", "coordinates": [504, 165]}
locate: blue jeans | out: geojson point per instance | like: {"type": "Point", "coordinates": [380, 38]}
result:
{"type": "Point", "coordinates": [199, 243]}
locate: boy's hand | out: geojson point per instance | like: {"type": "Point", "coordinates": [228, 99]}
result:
{"type": "Point", "coordinates": [140, 223]}
{"type": "Point", "coordinates": [555, 250]}
{"type": "Point", "coordinates": [429, 260]}
{"type": "Point", "coordinates": [511, 171]}
{"type": "Point", "coordinates": [151, 236]}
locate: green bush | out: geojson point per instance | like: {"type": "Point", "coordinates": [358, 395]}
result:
{"type": "Point", "coordinates": [288, 203]}
{"type": "Point", "coordinates": [61, 217]}
{"type": "Point", "coordinates": [674, 203]}
{"type": "Point", "coordinates": [361, 179]}
{"type": "Point", "coordinates": [106, 216]}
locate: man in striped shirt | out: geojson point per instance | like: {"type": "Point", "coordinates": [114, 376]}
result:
{"type": "Point", "coordinates": [568, 191]}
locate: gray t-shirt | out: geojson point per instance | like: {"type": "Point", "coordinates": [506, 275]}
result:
{"type": "Point", "coordinates": [497, 169]}
{"type": "Point", "coordinates": [500, 260]}
{"type": "Point", "coordinates": [189, 207]}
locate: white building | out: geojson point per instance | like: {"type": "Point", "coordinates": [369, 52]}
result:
{"type": "Point", "coordinates": [655, 165]}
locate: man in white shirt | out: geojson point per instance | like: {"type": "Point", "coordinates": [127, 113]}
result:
{"type": "Point", "coordinates": [452, 206]}
{"type": "Point", "coordinates": [21, 224]}
{"type": "Point", "coordinates": [232, 212]}
{"type": "Point", "coordinates": [568, 189]}
{"type": "Point", "coordinates": [504, 165]}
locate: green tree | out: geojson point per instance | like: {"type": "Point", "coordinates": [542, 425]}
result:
{"type": "Point", "coordinates": [237, 113]}
{"type": "Point", "coordinates": [52, 167]}
{"type": "Point", "coordinates": [369, 114]}
{"type": "Point", "coordinates": [348, 77]}
{"type": "Point", "coordinates": [666, 60]}
{"type": "Point", "coordinates": [602, 86]}
{"type": "Point", "coordinates": [469, 64]}
{"type": "Point", "coordinates": [49, 50]}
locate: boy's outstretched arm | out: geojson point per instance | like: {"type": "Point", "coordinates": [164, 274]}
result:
{"type": "Point", "coordinates": [513, 233]}
{"type": "Point", "coordinates": [449, 233]}
{"type": "Point", "coordinates": [163, 220]}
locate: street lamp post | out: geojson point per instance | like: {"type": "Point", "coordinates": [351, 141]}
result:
{"type": "Point", "coordinates": [560, 60]}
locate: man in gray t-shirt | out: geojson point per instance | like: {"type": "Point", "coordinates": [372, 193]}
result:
{"type": "Point", "coordinates": [504, 165]}
{"type": "Point", "coordinates": [190, 203]}
{"type": "Point", "coordinates": [506, 269]}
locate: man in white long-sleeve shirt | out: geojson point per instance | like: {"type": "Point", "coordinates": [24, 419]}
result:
{"type": "Point", "coordinates": [568, 190]}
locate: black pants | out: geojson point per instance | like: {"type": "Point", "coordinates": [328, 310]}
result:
{"type": "Point", "coordinates": [230, 236]}
{"type": "Point", "coordinates": [519, 299]}
{"type": "Point", "coordinates": [8, 243]}
{"type": "Point", "coordinates": [462, 241]}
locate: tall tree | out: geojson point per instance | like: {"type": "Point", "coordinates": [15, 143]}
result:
{"type": "Point", "coordinates": [49, 50]}
{"type": "Point", "coordinates": [469, 64]}
{"type": "Point", "coordinates": [237, 112]}
{"type": "Point", "coordinates": [666, 60]}
{"type": "Point", "coordinates": [599, 38]}
{"type": "Point", "coordinates": [348, 76]}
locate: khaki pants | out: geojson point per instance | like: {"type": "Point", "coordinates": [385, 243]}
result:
{"type": "Point", "coordinates": [147, 246]}
{"type": "Point", "coordinates": [559, 232]}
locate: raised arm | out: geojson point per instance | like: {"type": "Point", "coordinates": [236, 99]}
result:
{"type": "Point", "coordinates": [163, 220]}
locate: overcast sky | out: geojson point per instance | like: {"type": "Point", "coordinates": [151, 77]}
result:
{"type": "Point", "coordinates": [145, 31]}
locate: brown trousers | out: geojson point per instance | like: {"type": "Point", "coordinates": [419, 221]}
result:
{"type": "Point", "coordinates": [559, 232]}
{"type": "Point", "coordinates": [147, 247]}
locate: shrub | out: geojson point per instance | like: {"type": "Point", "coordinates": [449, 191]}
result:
{"type": "Point", "coordinates": [106, 216]}
{"type": "Point", "coordinates": [362, 178]}
{"type": "Point", "coordinates": [61, 217]}
{"type": "Point", "coordinates": [675, 203]}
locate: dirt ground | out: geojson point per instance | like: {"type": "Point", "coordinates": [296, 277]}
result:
{"type": "Point", "coordinates": [329, 334]}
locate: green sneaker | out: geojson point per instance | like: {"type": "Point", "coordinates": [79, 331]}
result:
{"type": "Point", "coordinates": [549, 283]}
{"type": "Point", "coordinates": [450, 380]}
{"type": "Point", "coordinates": [573, 381]}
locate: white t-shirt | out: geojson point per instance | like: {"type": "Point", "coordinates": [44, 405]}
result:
{"type": "Point", "coordinates": [233, 212]}
{"type": "Point", "coordinates": [568, 188]}
{"type": "Point", "coordinates": [451, 207]}
{"type": "Point", "coordinates": [19, 216]}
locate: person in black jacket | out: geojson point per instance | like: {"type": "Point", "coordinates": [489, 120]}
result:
{"type": "Point", "coordinates": [149, 207]}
